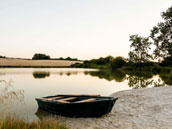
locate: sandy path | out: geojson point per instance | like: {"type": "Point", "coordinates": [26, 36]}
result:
{"type": "Point", "coordinates": [36, 63]}
{"type": "Point", "coordinates": [135, 109]}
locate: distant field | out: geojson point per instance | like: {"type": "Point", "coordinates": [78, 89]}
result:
{"type": "Point", "coordinates": [6, 62]}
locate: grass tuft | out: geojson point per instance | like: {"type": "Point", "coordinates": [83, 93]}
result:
{"type": "Point", "coordinates": [14, 123]}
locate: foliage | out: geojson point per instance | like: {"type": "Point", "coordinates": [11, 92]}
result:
{"type": "Point", "coordinates": [39, 56]}
{"type": "Point", "coordinates": [101, 63]}
{"type": "Point", "coordinates": [140, 49]}
{"type": "Point", "coordinates": [101, 60]}
{"type": "Point", "coordinates": [118, 62]}
{"type": "Point", "coordinates": [161, 35]}
{"type": "Point", "coordinates": [68, 58]}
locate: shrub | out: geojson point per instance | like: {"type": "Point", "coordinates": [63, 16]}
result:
{"type": "Point", "coordinates": [118, 62]}
{"type": "Point", "coordinates": [77, 65]}
{"type": "Point", "coordinates": [39, 56]}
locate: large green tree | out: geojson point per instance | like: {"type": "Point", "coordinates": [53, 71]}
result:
{"type": "Point", "coordinates": [162, 36]}
{"type": "Point", "coordinates": [140, 47]}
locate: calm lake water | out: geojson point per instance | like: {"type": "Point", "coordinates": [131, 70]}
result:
{"type": "Point", "coordinates": [22, 85]}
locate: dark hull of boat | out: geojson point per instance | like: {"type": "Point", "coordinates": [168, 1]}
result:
{"type": "Point", "coordinates": [87, 109]}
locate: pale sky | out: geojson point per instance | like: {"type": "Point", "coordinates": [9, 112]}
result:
{"type": "Point", "coordinates": [84, 29]}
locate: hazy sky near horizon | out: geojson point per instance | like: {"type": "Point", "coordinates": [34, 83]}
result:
{"type": "Point", "coordinates": [84, 29]}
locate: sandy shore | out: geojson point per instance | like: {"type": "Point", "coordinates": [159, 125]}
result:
{"type": "Point", "coordinates": [135, 109]}
{"type": "Point", "coordinates": [34, 63]}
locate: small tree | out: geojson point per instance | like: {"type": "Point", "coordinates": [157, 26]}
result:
{"type": "Point", "coordinates": [140, 49]}
{"type": "Point", "coordinates": [162, 36]}
{"type": "Point", "coordinates": [39, 56]}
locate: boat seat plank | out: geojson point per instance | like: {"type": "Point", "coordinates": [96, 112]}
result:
{"type": "Point", "coordinates": [66, 99]}
{"type": "Point", "coordinates": [86, 100]}
{"type": "Point", "coordinates": [53, 98]}
{"type": "Point", "coordinates": [62, 101]}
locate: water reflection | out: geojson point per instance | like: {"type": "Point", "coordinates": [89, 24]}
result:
{"type": "Point", "coordinates": [136, 79]}
{"type": "Point", "coordinates": [41, 114]}
{"type": "Point", "coordinates": [144, 79]}
{"type": "Point", "coordinates": [139, 82]}
{"type": "Point", "coordinates": [39, 75]}
{"type": "Point", "coordinates": [109, 75]}
{"type": "Point", "coordinates": [167, 79]}
{"type": "Point", "coordinates": [44, 74]}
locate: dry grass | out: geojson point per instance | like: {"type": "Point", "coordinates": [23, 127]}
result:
{"type": "Point", "coordinates": [8, 121]}
{"type": "Point", "coordinates": [14, 123]}
{"type": "Point", "coordinates": [35, 63]}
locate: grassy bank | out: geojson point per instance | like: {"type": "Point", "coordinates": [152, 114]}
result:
{"type": "Point", "coordinates": [14, 123]}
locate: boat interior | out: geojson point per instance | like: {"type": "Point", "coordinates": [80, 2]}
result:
{"type": "Point", "coordinates": [71, 99]}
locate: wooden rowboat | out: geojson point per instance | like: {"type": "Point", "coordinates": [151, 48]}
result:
{"type": "Point", "coordinates": [77, 105]}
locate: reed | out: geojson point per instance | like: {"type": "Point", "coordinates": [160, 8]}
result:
{"type": "Point", "coordinates": [12, 122]}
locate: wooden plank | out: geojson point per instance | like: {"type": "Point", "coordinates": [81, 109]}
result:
{"type": "Point", "coordinates": [86, 100]}
{"type": "Point", "coordinates": [62, 101]}
{"type": "Point", "coordinates": [53, 98]}
{"type": "Point", "coordinates": [70, 98]}
{"type": "Point", "coordinates": [83, 95]}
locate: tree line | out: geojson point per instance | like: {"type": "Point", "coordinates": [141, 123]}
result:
{"type": "Point", "coordinates": [40, 56]}
{"type": "Point", "coordinates": [2, 57]}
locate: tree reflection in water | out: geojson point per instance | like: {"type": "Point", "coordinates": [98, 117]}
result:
{"type": "Point", "coordinates": [39, 75]}
{"type": "Point", "coordinates": [167, 79]}
{"type": "Point", "coordinates": [109, 75]}
{"type": "Point", "coordinates": [139, 82]}
{"type": "Point", "coordinates": [136, 79]}
{"type": "Point", "coordinates": [139, 79]}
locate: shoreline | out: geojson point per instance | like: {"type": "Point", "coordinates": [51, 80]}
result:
{"type": "Point", "coordinates": [147, 108]}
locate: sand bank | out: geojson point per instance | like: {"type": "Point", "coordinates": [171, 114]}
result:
{"type": "Point", "coordinates": [135, 109]}
{"type": "Point", "coordinates": [34, 63]}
